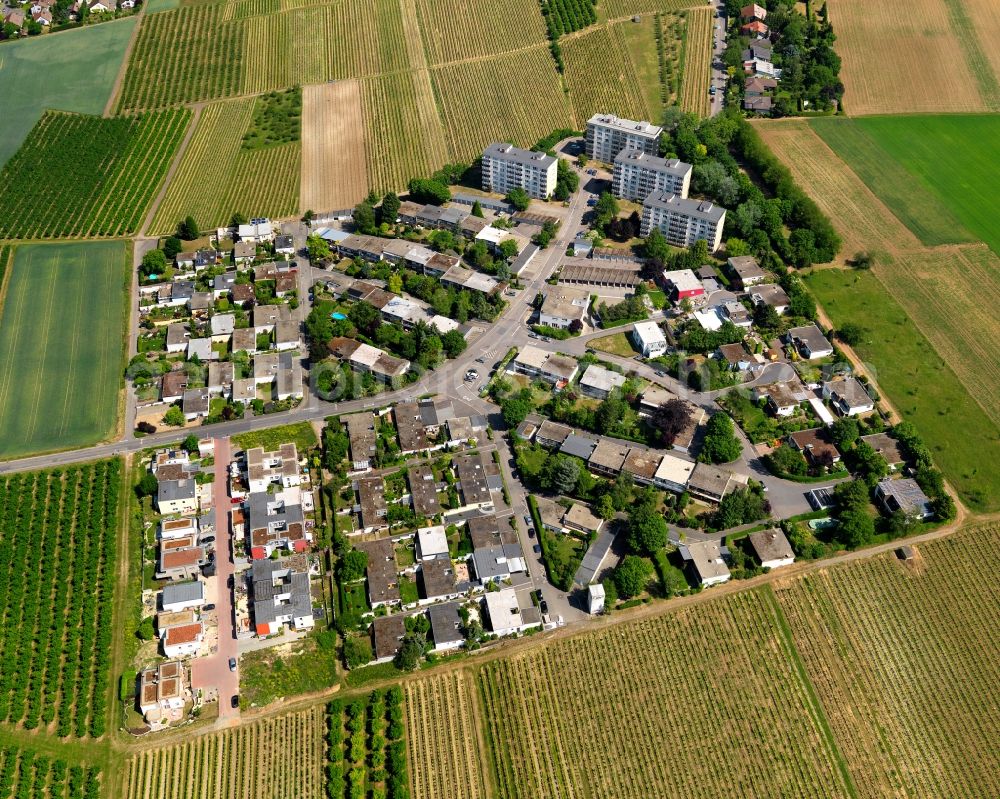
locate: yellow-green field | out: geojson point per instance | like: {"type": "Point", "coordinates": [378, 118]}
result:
{"type": "Point", "coordinates": [61, 345]}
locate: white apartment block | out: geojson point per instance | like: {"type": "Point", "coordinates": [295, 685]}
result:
{"type": "Point", "coordinates": [638, 174]}
{"type": "Point", "coordinates": [507, 167]}
{"type": "Point", "coordinates": [683, 222]}
{"type": "Point", "coordinates": [608, 135]}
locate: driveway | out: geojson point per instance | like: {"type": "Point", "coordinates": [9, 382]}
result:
{"type": "Point", "coordinates": [211, 674]}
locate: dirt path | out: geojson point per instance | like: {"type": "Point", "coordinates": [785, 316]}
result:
{"type": "Point", "coordinates": [123, 69]}
{"type": "Point", "coordinates": [155, 206]}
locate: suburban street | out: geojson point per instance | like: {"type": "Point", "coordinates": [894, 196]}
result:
{"type": "Point", "coordinates": [719, 78]}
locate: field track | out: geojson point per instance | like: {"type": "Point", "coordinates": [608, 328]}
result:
{"type": "Point", "coordinates": [334, 166]}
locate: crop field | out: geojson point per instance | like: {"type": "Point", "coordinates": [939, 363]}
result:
{"type": "Point", "coordinates": [403, 133]}
{"type": "Point", "coordinates": [61, 346]}
{"type": "Point", "coordinates": [74, 71]}
{"type": "Point", "coordinates": [948, 163]}
{"type": "Point", "coordinates": [27, 775]}
{"type": "Point", "coordinates": [921, 384]}
{"type": "Point", "coordinates": [653, 44]}
{"type": "Point", "coordinates": [881, 80]}
{"type": "Point", "coordinates": [334, 166]}
{"type": "Point", "coordinates": [54, 187]}
{"type": "Point", "coordinates": [56, 612]}
{"type": "Point", "coordinates": [952, 294]}
{"type": "Point", "coordinates": [498, 112]}
{"type": "Point", "coordinates": [600, 76]}
{"type": "Point", "coordinates": [618, 9]}
{"type": "Point", "coordinates": [680, 685]}
{"type": "Point", "coordinates": [452, 33]}
{"type": "Point", "coordinates": [441, 721]}
{"type": "Point", "coordinates": [904, 661]}
{"type": "Point", "coordinates": [281, 756]}
{"type": "Point", "coordinates": [986, 14]}
{"type": "Point", "coordinates": [366, 747]}
{"type": "Point", "coordinates": [697, 72]}
{"type": "Point", "coordinates": [859, 216]}
{"type": "Point", "coordinates": [184, 55]}
{"type": "Point", "coordinates": [217, 177]}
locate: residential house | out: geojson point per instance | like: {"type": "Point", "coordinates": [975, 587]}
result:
{"type": "Point", "coordinates": [366, 358]}
{"type": "Point", "coordinates": [182, 596]}
{"type": "Point", "coordinates": [599, 382]}
{"type": "Point", "coordinates": [371, 504]}
{"type": "Point", "coordinates": [536, 362]}
{"type": "Point", "coordinates": [735, 313]}
{"type": "Point", "coordinates": [752, 12]}
{"type": "Point", "coordinates": [682, 284]}
{"type": "Point", "coordinates": [223, 284]}
{"type": "Point", "coordinates": [746, 271]}
{"type": "Point", "coordinates": [772, 548]}
{"type": "Point", "coordinates": [704, 560]}
{"type": "Point", "coordinates": [848, 396]}
{"type": "Point", "coordinates": [245, 339]}
{"type": "Point", "coordinates": [783, 398]}
{"type": "Point", "coordinates": [244, 252]}
{"type": "Point", "coordinates": [563, 306]}
{"type": "Point", "coordinates": [177, 338]}
{"type": "Point", "coordinates": [172, 386]}
{"type": "Point", "coordinates": [809, 342]}
{"type": "Point", "coordinates": [201, 348]}
{"type": "Point", "coordinates": [736, 357]}
{"type": "Point", "coordinates": [769, 294]}
{"type": "Point", "coordinates": [222, 326]}
{"type": "Point", "coordinates": [903, 495]}
{"type": "Point", "coordinates": [361, 432]}
{"type": "Point", "coordinates": [180, 562]}
{"type": "Point", "coordinates": [437, 580]}
{"type": "Point", "coordinates": [432, 542]}
{"type": "Point", "coordinates": [755, 28]}
{"type": "Point", "coordinates": [256, 231]}
{"type": "Point", "coordinates": [195, 403]}
{"type": "Point", "coordinates": [284, 245]}
{"type": "Point", "coordinates": [711, 483]}
{"type": "Point", "coordinates": [505, 615]}
{"type": "Point", "coordinates": [183, 640]}
{"type": "Point", "coordinates": [286, 335]}
{"type": "Point", "coordinates": [815, 446]}
{"type": "Point", "coordinates": [551, 435]}
{"type": "Point", "coordinates": [423, 490]}
{"type": "Point", "coordinates": [387, 637]}
{"type": "Point", "coordinates": [673, 473]}
{"type": "Point", "coordinates": [498, 563]}
{"type": "Point", "coordinates": [638, 174]}
{"type": "Point", "coordinates": [163, 691]}
{"type": "Point", "coordinates": [506, 167]}
{"type": "Point", "coordinates": [607, 458]}
{"type": "Point", "coordinates": [446, 626]}
{"type": "Point", "coordinates": [580, 518]}
{"type": "Point", "coordinates": [276, 521]}
{"type": "Point", "coordinates": [177, 496]}
{"type": "Point", "coordinates": [642, 464]}
{"type": "Point", "coordinates": [281, 467]}
{"type": "Point", "coordinates": [578, 446]}
{"type": "Point", "coordinates": [649, 338]}
{"type": "Point", "coordinates": [477, 477]}
{"type": "Point", "coordinates": [382, 573]}
{"type": "Point", "coordinates": [886, 446]}
{"type": "Point", "coordinates": [280, 593]}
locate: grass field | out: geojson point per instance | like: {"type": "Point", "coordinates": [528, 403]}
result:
{"type": "Point", "coordinates": [657, 70]}
{"type": "Point", "coordinates": [600, 75]}
{"type": "Point", "coordinates": [217, 177]}
{"type": "Point", "coordinates": [923, 387]}
{"type": "Point", "coordinates": [697, 68]}
{"type": "Point", "coordinates": [904, 661]}
{"type": "Point", "coordinates": [61, 346]}
{"type": "Point", "coordinates": [922, 166]}
{"type": "Point", "coordinates": [54, 188]}
{"type": "Point", "coordinates": [301, 434]}
{"type": "Point", "coordinates": [74, 71]}
{"type": "Point", "coordinates": [880, 79]}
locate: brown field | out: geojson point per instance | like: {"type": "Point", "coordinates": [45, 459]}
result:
{"type": "Point", "coordinates": [334, 166]}
{"type": "Point", "coordinates": [986, 14]}
{"type": "Point", "coordinates": [861, 218]}
{"type": "Point", "coordinates": [901, 60]}
{"type": "Point", "coordinates": [905, 664]}
{"type": "Point", "coordinates": [697, 69]}
{"type": "Point", "coordinates": [952, 294]}
{"type": "Point", "coordinates": [446, 758]}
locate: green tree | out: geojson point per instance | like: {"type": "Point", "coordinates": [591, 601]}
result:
{"type": "Point", "coordinates": [454, 343]}
{"type": "Point", "coordinates": [851, 334]}
{"type": "Point", "coordinates": [188, 229]}
{"type": "Point", "coordinates": [868, 465]}
{"type": "Point", "coordinates": [396, 283]}
{"type": "Point", "coordinates": [352, 566]}
{"type": "Point", "coordinates": [433, 192]}
{"type": "Point", "coordinates": [787, 460]}
{"type": "Point", "coordinates": [319, 329]}
{"type": "Point", "coordinates": [508, 248]}
{"type": "Point", "coordinates": [655, 247]}
{"type": "Point", "coordinates": [721, 444]}
{"type": "Point", "coordinates": [844, 432]}
{"type": "Point", "coordinates": [519, 198]}
{"type": "Point", "coordinates": [153, 262]}
{"type": "Point", "coordinates": [146, 631]}
{"type": "Point", "coordinates": [605, 507]}
{"type": "Point", "coordinates": [565, 475]}
{"type": "Point", "coordinates": [148, 485]}
{"type": "Point", "coordinates": [365, 317]}
{"type": "Point", "coordinates": [647, 530]}
{"type": "Point", "coordinates": [237, 220]}
{"type": "Point", "coordinates": [364, 219]}
{"type": "Point", "coordinates": [850, 495]}
{"type": "Point", "coordinates": [605, 210]}
{"type": "Point", "coordinates": [191, 443]}
{"type": "Point", "coordinates": [389, 210]}
{"type": "Point", "coordinates": [410, 651]}
{"type": "Point", "coordinates": [174, 417]}
{"type": "Point", "coordinates": [516, 407]}
{"type": "Point", "coordinates": [171, 246]}
{"type": "Point", "coordinates": [318, 249]}
{"type": "Point", "coordinates": [477, 209]}
{"type": "Point", "coordinates": [631, 576]}
{"type": "Point", "coordinates": [855, 528]}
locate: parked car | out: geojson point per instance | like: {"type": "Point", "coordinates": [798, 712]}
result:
{"type": "Point", "coordinates": [544, 607]}
{"type": "Point", "coordinates": [235, 700]}
{"type": "Point", "coordinates": [481, 360]}
{"type": "Point", "coordinates": [232, 664]}
{"type": "Point", "coordinates": [207, 608]}
{"type": "Point", "coordinates": [592, 202]}
{"type": "Point", "coordinates": [532, 335]}
{"type": "Point", "coordinates": [711, 90]}
{"type": "Point", "coordinates": [208, 539]}
{"type": "Point", "coordinates": [537, 549]}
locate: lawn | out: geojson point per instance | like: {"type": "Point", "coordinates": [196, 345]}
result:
{"type": "Point", "coordinates": [266, 675]}
{"type": "Point", "coordinates": [936, 173]}
{"type": "Point", "coordinates": [616, 344]}
{"type": "Point", "coordinates": [919, 383]}
{"type": "Point", "coordinates": [61, 346]}
{"type": "Point", "coordinates": [70, 71]}
{"type": "Point", "coordinates": [300, 433]}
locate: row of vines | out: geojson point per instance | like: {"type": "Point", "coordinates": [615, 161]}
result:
{"type": "Point", "coordinates": [366, 748]}
{"type": "Point", "coordinates": [697, 75]}
{"type": "Point", "coordinates": [274, 757]}
{"type": "Point", "coordinates": [58, 532]}
{"type": "Point", "coordinates": [25, 775]}
{"type": "Point", "coordinates": [80, 176]}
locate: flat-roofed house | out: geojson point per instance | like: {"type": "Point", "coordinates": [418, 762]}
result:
{"type": "Point", "coordinates": [564, 305]}
{"type": "Point", "coordinates": [607, 458]}
{"type": "Point", "coordinates": [673, 473]}
{"type": "Point", "coordinates": [163, 692]}
{"type": "Point", "coordinates": [746, 271]}
{"type": "Point", "coordinates": [649, 338]}
{"type": "Point", "coordinates": [683, 284]}
{"type": "Point", "coordinates": [599, 382]}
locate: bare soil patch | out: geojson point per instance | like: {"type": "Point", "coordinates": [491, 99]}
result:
{"type": "Point", "coordinates": [334, 166]}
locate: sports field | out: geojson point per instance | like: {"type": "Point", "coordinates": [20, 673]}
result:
{"type": "Point", "coordinates": [922, 385]}
{"type": "Point", "coordinates": [938, 174]}
{"type": "Point", "coordinates": [61, 343]}
{"type": "Point", "coordinates": [940, 55]}
{"type": "Point", "coordinates": [904, 660]}
{"type": "Point", "coordinates": [74, 71]}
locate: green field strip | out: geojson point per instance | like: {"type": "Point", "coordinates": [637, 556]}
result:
{"type": "Point", "coordinates": [815, 705]}
{"type": "Point", "coordinates": [979, 65]}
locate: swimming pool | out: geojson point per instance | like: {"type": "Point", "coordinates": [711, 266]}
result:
{"type": "Point", "coordinates": [337, 315]}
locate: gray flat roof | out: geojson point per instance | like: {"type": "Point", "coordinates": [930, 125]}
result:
{"type": "Point", "coordinates": [508, 152]}
{"type": "Point", "coordinates": [669, 201]}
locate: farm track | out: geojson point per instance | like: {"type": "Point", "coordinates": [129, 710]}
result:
{"type": "Point", "coordinates": [116, 89]}
{"type": "Point", "coordinates": [196, 110]}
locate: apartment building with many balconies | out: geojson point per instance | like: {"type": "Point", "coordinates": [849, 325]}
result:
{"type": "Point", "coordinates": [608, 135]}
{"type": "Point", "coordinates": [638, 174]}
{"type": "Point", "coordinates": [683, 222]}
{"type": "Point", "coordinates": [507, 167]}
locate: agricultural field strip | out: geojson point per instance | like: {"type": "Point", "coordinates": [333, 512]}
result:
{"type": "Point", "coordinates": [600, 75]}
{"type": "Point", "coordinates": [696, 73]}
{"type": "Point", "coordinates": [965, 27]}
{"type": "Point", "coordinates": [334, 165]}
{"type": "Point", "coordinates": [528, 699]}
{"type": "Point", "coordinates": [25, 774]}
{"type": "Point", "coordinates": [623, 9]}
{"type": "Point", "coordinates": [450, 32]}
{"type": "Point", "coordinates": [986, 13]}
{"type": "Point", "coordinates": [951, 294]}
{"type": "Point", "coordinates": [880, 80]}
{"type": "Point", "coordinates": [60, 683]}
{"type": "Point", "coordinates": [863, 630]}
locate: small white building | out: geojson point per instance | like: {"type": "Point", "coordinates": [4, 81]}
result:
{"type": "Point", "coordinates": [599, 382]}
{"type": "Point", "coordinates": [182, 596]}
{"type": "Point", "coordinates": [183, 640]}
{"type": "Point", "coordinates": [432, 542]}
{"type": "Point", "coordinates": [504, 613]}
{"type": "Point", "coordinates": [673, 473]}
{"type": "Point", "coordinates": [649, 338]}
{"type": "Point", "coordinates": [595, 599]}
